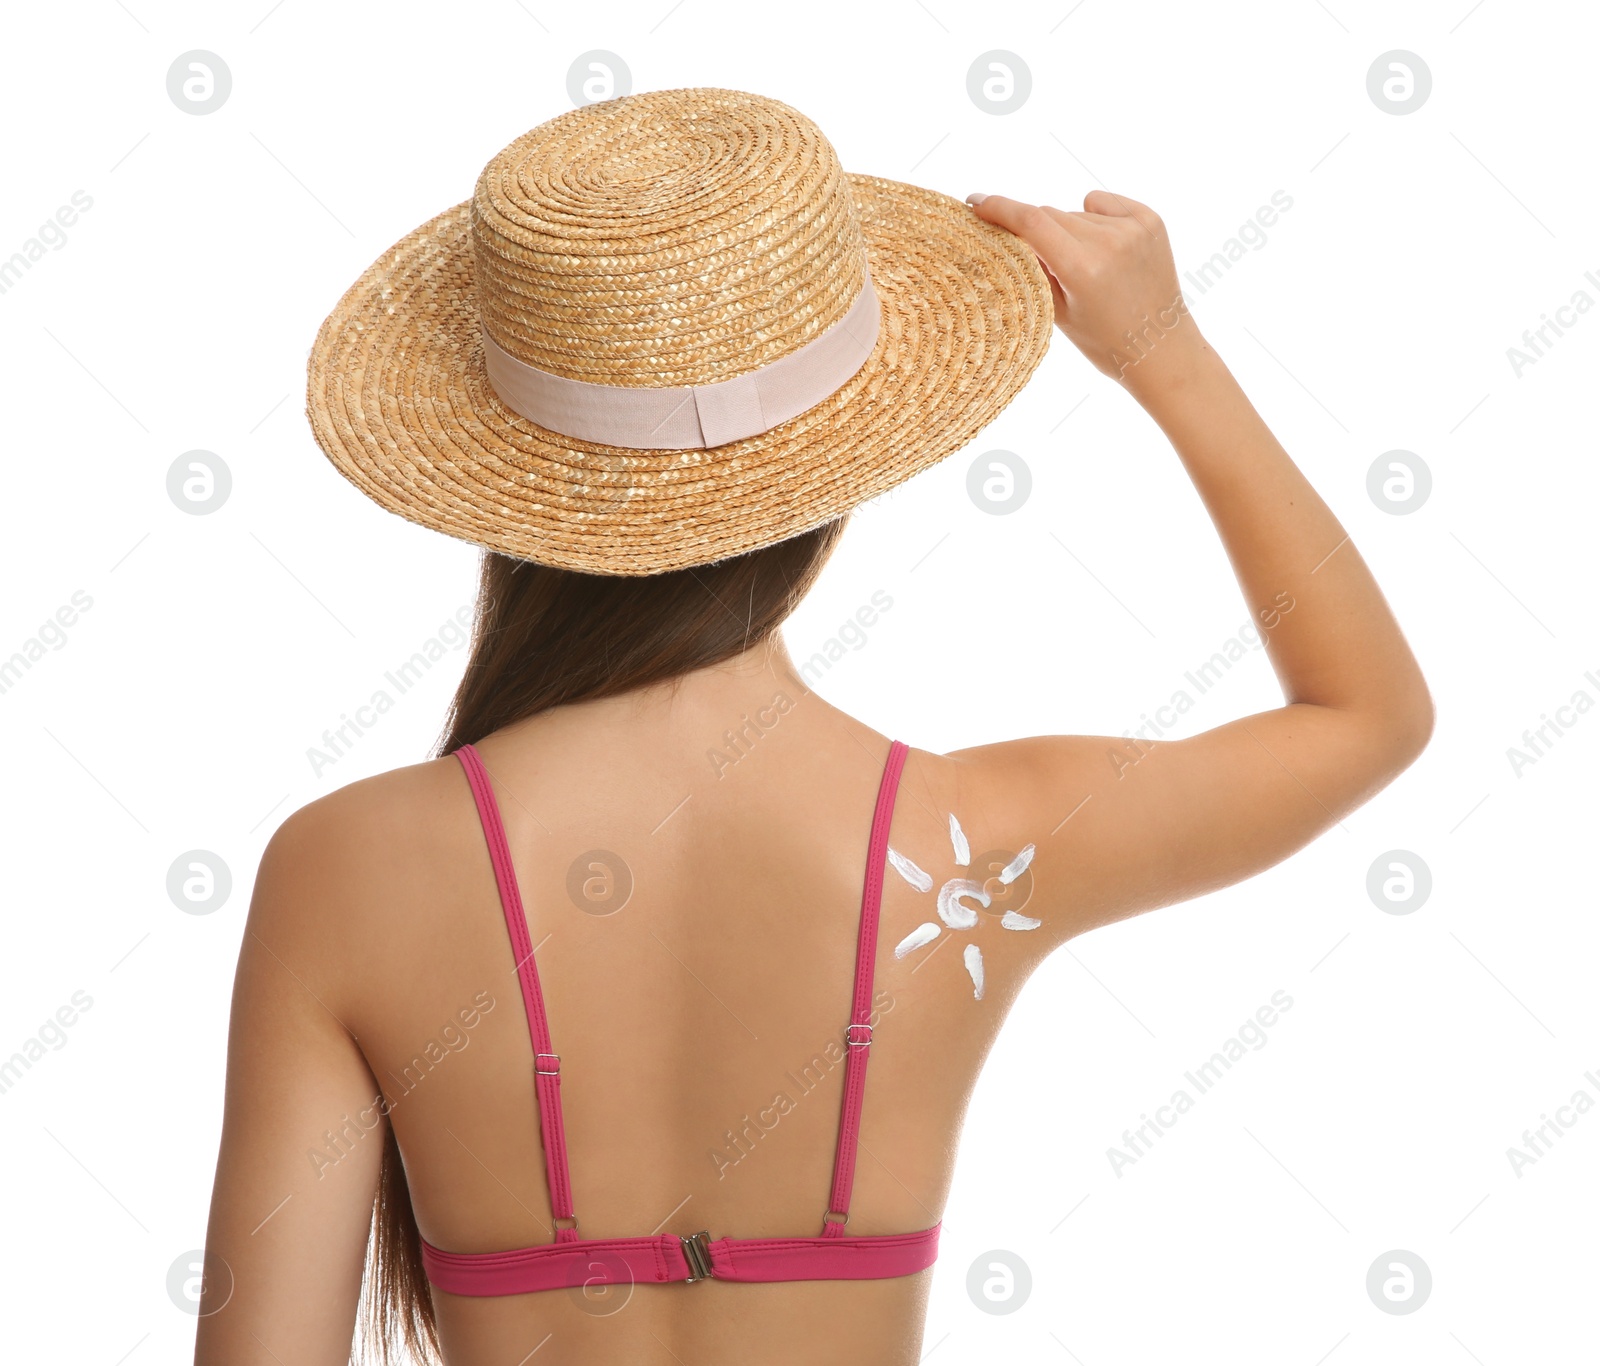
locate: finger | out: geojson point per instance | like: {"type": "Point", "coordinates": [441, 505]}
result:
{"type": "Point", "coordinates": [1103, 201]}
{"type": "Point", "coordinates": [1053, 238]}
{"type": "Point", "coordinates": [1113, 205]}
{"type": "Point", "coordinates": [1079, 225]}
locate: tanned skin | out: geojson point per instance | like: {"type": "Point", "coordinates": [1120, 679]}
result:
{"type": "Point", "coordinates": [375, 930]}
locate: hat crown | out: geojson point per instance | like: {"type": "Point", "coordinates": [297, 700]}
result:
{"type": "Point", "coordinates": [674, 237]}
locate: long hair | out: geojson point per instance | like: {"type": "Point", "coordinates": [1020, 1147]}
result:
{"type": "Point", "coordinates": [544, 637]}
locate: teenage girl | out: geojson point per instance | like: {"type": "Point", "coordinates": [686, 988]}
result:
{"type": "Point", "coordinates": [694, 925]}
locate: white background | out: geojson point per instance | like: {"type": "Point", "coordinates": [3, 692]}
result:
{"type": "Point", "coordinates": [1376, 316]}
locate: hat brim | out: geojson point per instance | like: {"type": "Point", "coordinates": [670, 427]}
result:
{"type": "Point", "coordinates": [399, 401]}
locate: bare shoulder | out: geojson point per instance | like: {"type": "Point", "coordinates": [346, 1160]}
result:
{"type": "Point", "coordinates": [1004, 821]}
{"type": "Point", "coordinates": [373, 819]}
{"type": "Point", "coordinates": [343, 867]}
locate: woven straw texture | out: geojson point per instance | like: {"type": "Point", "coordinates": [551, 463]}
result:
{"type": "Point", "coordinates": [669, 238]}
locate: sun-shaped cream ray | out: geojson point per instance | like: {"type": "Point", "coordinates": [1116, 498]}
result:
{"type": "Point", "coordinates": [953, 910]}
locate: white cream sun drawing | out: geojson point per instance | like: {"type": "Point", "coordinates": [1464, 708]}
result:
{"type": "Point", "coordinates": [952, 910]}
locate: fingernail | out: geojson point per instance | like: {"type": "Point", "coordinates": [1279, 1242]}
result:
{"type": "Point", "coordinates": [976, 199]}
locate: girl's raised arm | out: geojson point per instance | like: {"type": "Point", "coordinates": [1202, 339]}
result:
{"type": "Point", "coordinates": [1154, 822]}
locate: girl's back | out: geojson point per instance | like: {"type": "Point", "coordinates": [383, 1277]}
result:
{"type": "Point", "coordinates": [695, 930]}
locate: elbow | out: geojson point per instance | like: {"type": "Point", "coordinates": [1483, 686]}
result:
{"type": "Point", "coordinates": [1391, 735]}
{"type": "Point", "coordinates": [1411, 727]}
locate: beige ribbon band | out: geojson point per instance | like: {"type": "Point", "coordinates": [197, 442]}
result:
{"type": "Point", "coordinates": [693, 416]}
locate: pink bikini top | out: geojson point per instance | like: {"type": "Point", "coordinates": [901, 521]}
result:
{"type": "Point", "coordinates": [571, 1259]}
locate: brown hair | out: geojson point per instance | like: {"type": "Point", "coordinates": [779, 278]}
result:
{"type": "Point", "coordinates": [544, 637]}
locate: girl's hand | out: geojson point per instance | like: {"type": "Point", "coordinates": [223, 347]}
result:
{"type": "Point", "coordinates": [1113, 280]}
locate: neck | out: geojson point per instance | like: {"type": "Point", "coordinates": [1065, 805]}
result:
{"type": "Point", "coordinates": [702, 702]}
{"type": "Point", "coordinates": [747, 681]}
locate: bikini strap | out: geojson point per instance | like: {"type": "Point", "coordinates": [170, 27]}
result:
{"type": "Point", "coordinates": [858, 1033]}
{"type": "Point", "coordinates": [546, 1063]}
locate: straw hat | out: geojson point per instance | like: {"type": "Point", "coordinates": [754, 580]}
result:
{"type": "Point", "coordinates": [667, 329]}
